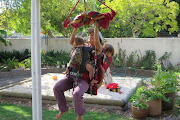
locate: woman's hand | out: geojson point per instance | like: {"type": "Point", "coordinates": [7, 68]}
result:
{"type": "Point", "coordinates": [98, 85]}
{"type": "Point", "coordinates": [96, 38]}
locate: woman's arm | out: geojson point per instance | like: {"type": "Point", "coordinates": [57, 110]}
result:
{"type": "Point", "coordinates": [96, 38]}
{"type": "Point", "coordinates": [73, 35]}
{"type": "Point", "coordinates": [101, 73]}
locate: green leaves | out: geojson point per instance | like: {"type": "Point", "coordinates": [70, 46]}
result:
{"type": "Point", "coordinates": [53, 13]}
{"type": "Point", "coordinates": [3, 32]}
{"type": "Point", "coordinates": [138, 13]}
{"type": "Point", "coordinates": [165, 81]}
{"type": "Point", "coordinates": [139, 99]}
{"type": "Point", "coordinates": [11, 64]}
{"type": "Point", "coordinates": [132, 19]}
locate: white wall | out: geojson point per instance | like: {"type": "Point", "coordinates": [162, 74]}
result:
{"type": "Point", "coordinates": [159, 45]}
{"type": "Point", "coordinates": [47, 45]}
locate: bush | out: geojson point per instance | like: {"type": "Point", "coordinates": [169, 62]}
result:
{"type": "Point", "coordinates": [5, 55]}
{"type": "Point", "coordinates": [11, 64]}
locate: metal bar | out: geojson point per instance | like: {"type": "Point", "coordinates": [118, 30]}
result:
{"type": "Point", "coordinates": [36, 60]}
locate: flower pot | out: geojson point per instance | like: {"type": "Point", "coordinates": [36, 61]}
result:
{"type": "Point", "coordinates": [169, 105]}
{"type": "Point", "coordinates": [63, 66]}
{"type": "Point", "coordinates": [58, 66]}
{"type": "Point", "coordinates": [155, 107]}
{"type": "Point", "coordinates": [140, 113]}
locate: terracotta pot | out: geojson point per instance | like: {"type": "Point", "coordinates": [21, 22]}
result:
{"type": "Point", "coordinates": [169, 105]}
{"type": "Point", "coordinates": [155, 107]}
{"type": "Point", "coordinates": [139, 113]}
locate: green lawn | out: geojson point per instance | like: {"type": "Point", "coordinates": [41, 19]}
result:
{"type": "Point", "coordinates": [15, 112]}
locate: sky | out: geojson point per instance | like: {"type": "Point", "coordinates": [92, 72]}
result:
{"type": "Point", "coordinates": [1, 4]}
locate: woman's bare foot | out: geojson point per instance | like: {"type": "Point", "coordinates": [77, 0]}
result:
{"type": "Point", "coordinates": [59, 115]}
{"type": "Point", "coordinates": [79, 117]}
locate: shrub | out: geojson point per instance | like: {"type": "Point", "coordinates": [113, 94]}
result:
{"type": "Point", "coordinates": [11, 64]}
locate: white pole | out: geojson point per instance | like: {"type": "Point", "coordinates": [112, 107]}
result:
{"type": "Point", "coordinates": [36, 60]}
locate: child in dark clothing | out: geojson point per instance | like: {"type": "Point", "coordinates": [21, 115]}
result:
{"type": "Point", "coordinates": [76, 57]}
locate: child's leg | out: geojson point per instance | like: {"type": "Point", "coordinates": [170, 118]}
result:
{"type": "Point", "coordinates": [90, 69]}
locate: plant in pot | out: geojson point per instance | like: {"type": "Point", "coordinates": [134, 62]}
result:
{"type": "Point", "coordinates": [139, 106]}
{"type": "Point", "coordinates": [154, 93]}
{"type": "Point", "coordinates": [154, 100]}
{"type": "Point", "coordinates": [63, 64]}
{"type": "Point", "coordinates": [58, 64]}
{"type": "Point", "coordinates": [169, 87]}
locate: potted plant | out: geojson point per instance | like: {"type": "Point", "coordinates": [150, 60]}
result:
{"type": "Point", "coordinates": [154, 100]}
{"type": "Point", "coordinates": [63, 64]}
{"type": "Point", "coordinates": [167, 83]}
{"type": "Point", "coordinates": [139, 106]}
{"type": "Point", "coordinates": [58, 64]}
{"type": "Point", "coordinates": [154, 93]}
{"type": "Point", "coordinates": [169, 87]}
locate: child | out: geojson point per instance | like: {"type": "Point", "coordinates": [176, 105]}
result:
{"type": "Point", "coordinates": [76, 57]}
{"type": "Point", "coordinates": [108, 53]}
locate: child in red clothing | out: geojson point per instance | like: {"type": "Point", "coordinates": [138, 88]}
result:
{"type": "Point", "coordinates": [108, 53]}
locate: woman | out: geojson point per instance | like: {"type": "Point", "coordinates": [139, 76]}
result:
{"type": "Point", "coordinates": [66, 83]}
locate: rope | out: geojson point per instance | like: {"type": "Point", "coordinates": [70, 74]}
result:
{"type": "Point", "coordinates": [72, 9]}
{"type": "Point", "coordinates": [84, 5]}
{"type": "Point", "coordinates": [105, 5]}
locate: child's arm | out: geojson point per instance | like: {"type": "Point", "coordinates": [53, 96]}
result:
{"type": "Point", "coordinates": [73, 35]}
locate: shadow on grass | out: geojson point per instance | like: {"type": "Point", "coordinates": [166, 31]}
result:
{"type": "Point", "coordinates": [13, 112]}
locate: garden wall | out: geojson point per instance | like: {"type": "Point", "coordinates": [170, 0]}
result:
{"type": "Point", "coordinates": [159, 45]}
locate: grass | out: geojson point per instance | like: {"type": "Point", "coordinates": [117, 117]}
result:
{"type": "Point", "coordinates": [15, 112]}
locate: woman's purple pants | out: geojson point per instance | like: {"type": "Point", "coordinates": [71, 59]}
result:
{"type": "Point", "coordinates": [65, 84]}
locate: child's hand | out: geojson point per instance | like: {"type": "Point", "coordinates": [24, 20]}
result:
{"type": "Point", "coordinates": [66, 72]}
{"type": "Point", "coordinates": [95, 23]}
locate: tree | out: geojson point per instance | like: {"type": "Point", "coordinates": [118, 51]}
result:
{"type": "Point", "coordinates": [53, 13]}
{"type": "Point", "coordinates": [145, 17]}
{"type": "Point", "coordinates": [2, 34]}
{"type": "Point", "coordinates": [178, 17]}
